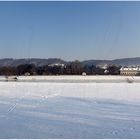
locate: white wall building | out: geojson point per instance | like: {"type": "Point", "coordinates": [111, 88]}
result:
{"type": "Point", "coordinates": [57, 64]}
{"type": "Point", "coordinates": [130, 71]}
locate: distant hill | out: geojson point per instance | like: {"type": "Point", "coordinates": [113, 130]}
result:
{"type": "Point", "coordinates": [96, 62]}
{"type": "Point", "coordinates": [122, 62]}
{"type": "Point", "coordinates": [35, 61]}
{"type": "Point", "coordinates": [127, 61]}
{"type": "Point", "coordinates": [42, 62]}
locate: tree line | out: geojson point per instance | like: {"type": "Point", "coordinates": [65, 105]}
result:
{"type": "Point", "coordinates": [73, 68]}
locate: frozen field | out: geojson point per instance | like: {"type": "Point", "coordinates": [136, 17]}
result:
{"type": "Point", "coordinates": [69, 110]}
{"type": "Point", "coordinates": [77, 79]}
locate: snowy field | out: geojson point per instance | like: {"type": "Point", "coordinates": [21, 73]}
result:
{"type": "Point", "coordinates": [69, 110]}
{"type": "Point", "coordinates": [77, 79]}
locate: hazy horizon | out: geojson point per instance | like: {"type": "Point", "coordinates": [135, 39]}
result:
{"type": "Point", "coordinates": [71, 59]}
{"type": "Point", "coordinates": [70, 30]}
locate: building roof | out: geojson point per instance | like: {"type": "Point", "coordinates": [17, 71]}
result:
{"type": "Point", "coordinates": [130, 68]}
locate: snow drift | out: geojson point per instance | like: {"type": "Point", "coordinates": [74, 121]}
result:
{"type": "Point", "coordinates": [69, 110]}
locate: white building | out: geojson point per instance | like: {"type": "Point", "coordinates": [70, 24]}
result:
{"type": "Point", "coordinates": [103, 66]}
{"type": "Point", "coordinates": [130, 71]}
{"type": "Point", "coordinates": [57, 64]}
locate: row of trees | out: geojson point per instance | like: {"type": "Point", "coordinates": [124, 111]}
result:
{"type": "Point", "coordinates": [73, 68]}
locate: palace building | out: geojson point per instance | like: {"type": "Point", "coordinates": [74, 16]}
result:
{"type": "Point", "coordinates": [130, 71]}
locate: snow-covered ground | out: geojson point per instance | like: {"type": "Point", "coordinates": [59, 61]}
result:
{"type": "Point", "coordinates": [69, 110]}
{"type": "Point", "coordinates": [77, 79]}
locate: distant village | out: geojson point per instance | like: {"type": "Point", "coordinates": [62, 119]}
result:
{"type": "Point", "coordinates": [72, 68]}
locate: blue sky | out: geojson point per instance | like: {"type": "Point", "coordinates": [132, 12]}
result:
{"type": "Point", "coordinates": [70, 30]}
